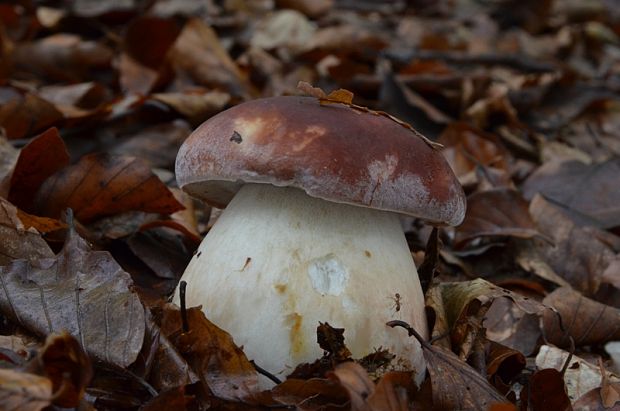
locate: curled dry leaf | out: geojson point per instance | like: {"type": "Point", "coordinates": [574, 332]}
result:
{"type": "Point", "coordinates": [499, 212]}
{"type": "Point", "coordinates": [212, 354]}
{"type": "Point", "coordinates": [195, 105]}
{"type": "Point", "coordinates": [586, 321]}
{"type": "Point", "coordinates": [172, 399]}
{"type": "Point", "coordinates": [451, 301]}
{"type": "Point", "coordinates": [580, 376]}
{"type": "Point", "coordinates": [100, 185]}
{"type": "Point", "coordinates": [503, 362]}
{"type": "Point", "coordinates": [592, 189]}
{"type": "Point", "coordinates": [23, 391]}
{"type": "Point", "coordinates": [63, 361]}
{"type": "Point", "coordinates": [18, 239]}
{"type": "Point", "coordinates": [40, 158]}
{"type": "Point", "coordinates": [576, 255]}
{"type": "Point", "coordinates": [82, 291]}
{"type": "Point", "coordinates": [311, 394]}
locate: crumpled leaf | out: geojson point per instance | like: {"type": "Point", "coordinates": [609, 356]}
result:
{"type": "Point", "coordinates": [592, 189]}
{"type": "Point", "coordinates": [499, 212]}
{"type": "Point", "coordinates": [18, 239]}
{"type": "Point", "coordinates": [580, 376]}
{"type": "Point", "coordinates": [23, 391]}
{"type": "Point", "coordinates": [586, 321]}
{"type": "Point", "coordinates": [212, 354]}
{"type": "Point", "coordinates": [82, 291]}
{"type": "Point", "coordinates": [39, 159]}
{"type": "Point", "coordinates": [576, 254]}
{"type": "Point", "coordinates": [100, 185]}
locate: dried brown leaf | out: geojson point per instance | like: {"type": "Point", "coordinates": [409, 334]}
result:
{"type": "Point", "coordinates": [546, 391]}
{"type": "Point", "coordinates": [24, 116]}
{"type": "Point", "coordinates": [18, 240]}
{"type": "Point", "coordinates": [63, 361]}
{"type": "Point", "coordinates": [578, 256]}
{"type": "Point", "coordinates": [592, 189]}
{"type": "Point", "coordinates": [40, 158]}
{"type": "Point", "coordinates": [212, 354]}
{"type": "Point", "coordinates": [23, 391]}
{"type": "Point", "coordinates": [100, 185]}
{"type": "Point", "coordinates": [586, 321]}
{"type": "Point", "coordinates": [79, 291]}
{"type": "Point", "coordinates": [499, 212]}
{"type": "Point", "coordinates": [580, 376]}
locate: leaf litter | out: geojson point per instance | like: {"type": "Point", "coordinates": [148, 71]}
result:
{"type": "Point", "coordinates": [521, 99]}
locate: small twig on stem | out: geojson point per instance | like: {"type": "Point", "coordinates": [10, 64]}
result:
{"type": "Point", "coordinates": [184, 323]}
{"type": "Point", "coordinates": [410, 330]}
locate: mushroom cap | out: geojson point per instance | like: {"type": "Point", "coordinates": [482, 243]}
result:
{"type": "Point", "coordinates": [333, 152]}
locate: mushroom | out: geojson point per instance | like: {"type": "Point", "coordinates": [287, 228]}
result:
{"type": "Point", "coordinates": [311, 230]}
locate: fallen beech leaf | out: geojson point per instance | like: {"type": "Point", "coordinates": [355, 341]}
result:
{"type": "Point", "coordinates": [311, 91]}
{"type": "Point", "coordinates": [503, 362]}
{"type": "Point", "coordinates": [156, 144]}
{"type": "Point", "coordinates": [212, 354]}
{"type": "Point", "coordinates": [587, 321]}
{"type": "Point", "coordinates": [580, 376]}
{"type": "Point", "coordinates": [8, 159]}
{"type": "Point", "coordinates": [23, 391]}
{"type": "Point", "coordinates": [198, 55]}
{"type": "Point", "coordinates": [18, 240]}
{"type": "Point", "coordinates": [506, 324]}
{"type": "Point", "coordinates": [340, 96]}
{"type": "Point", "coordinates": [40, 158]}
{"type": "Point", "coordinates": [311, 394]}
{"type": "Point", "coordinates": [195, 105]}
{"type": "Point", "coordinates": [451, 302]}
{"type": "Point", "coordinates": [100, 185]}
{"type": "Point", "coordinates": [76, 101]}
{"type": "Point", "coordinates": [577, 255]}
{"type": "Point", "coordinates": [455, 384]}
{"type": "Point", "coordinates": [590, 189]}
{"type": "Point", "coordinates": [592, 401]}
{"type": "Point", "coordinates": [27, 115]}
{"type": "Point", "coordinates": [499, 212]}
{"type": "Point", "coordinates": [287, 31]}
{"type": "Point", "coordinates": [610, 391]}
{"type": "Point", "coordinates": [63, 361]}
{"type": "Point", "coordinates": [390, 394]}
{"type": "Point", "coordinates": [62, 57]}
{"type": "Point", "coordinates": [82, 291]}
{"type": "Point", "coordinates": [172, 399]}
{"type": "Point", "coordinates": [546, 391]}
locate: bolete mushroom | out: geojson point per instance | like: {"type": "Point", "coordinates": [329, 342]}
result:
{"type": "Point", "coordinates": [311, 231]}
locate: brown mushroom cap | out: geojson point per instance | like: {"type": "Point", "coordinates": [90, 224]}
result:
{"type": "Point", "coordinates": [333, 152]}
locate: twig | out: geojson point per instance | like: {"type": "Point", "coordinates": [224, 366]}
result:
{"type": "Point", "coordinates": [184, 323]}
{"type": "Point", "coordinates": [266, 373]}
{"type": "Point", "coordinates": [410, 330]}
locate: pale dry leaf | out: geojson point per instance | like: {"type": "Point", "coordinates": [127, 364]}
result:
{"type": "Point", "coordinates": [580, 377]}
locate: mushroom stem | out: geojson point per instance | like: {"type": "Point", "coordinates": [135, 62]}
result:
{"type": "Point", "coordinates": [278, 261]}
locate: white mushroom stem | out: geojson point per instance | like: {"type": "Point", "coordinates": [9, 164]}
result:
{"type": "Point", "coordinates": [278, 261]}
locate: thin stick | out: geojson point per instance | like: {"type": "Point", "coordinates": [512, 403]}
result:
{"type": "Point", "coordinates": [266, 373]}
{"type": "Point", "coordinates": [184, 323]}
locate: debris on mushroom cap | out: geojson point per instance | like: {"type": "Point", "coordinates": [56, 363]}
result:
{"type": "Point", "coordinates": [337, 153]}
{"type": "Point", "coordinates": [343, 96]}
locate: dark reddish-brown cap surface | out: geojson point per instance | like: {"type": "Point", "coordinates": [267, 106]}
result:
{"type": "Point", "coordinates": [333, 152]}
